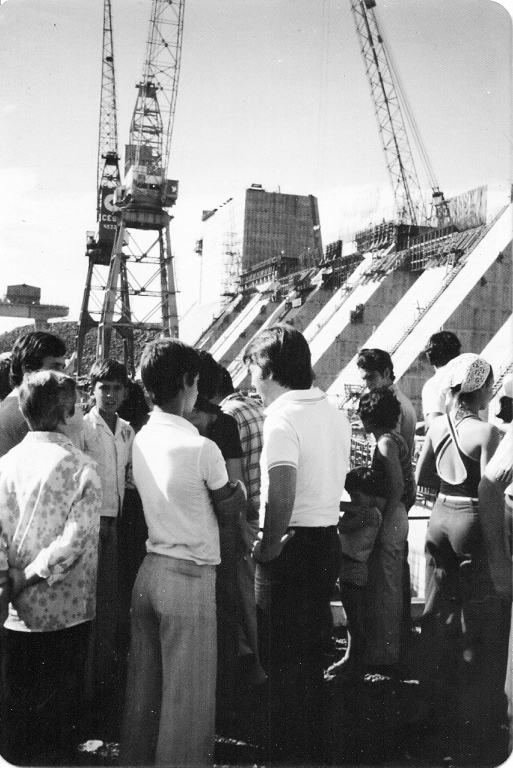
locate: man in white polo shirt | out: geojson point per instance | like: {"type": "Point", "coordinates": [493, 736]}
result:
{"type": "Point", "coordinates": [305, 456]}
{"type": "Point", "coordinates": [440, 349]}
{"type": "Point", "coordinates": [170, 701]}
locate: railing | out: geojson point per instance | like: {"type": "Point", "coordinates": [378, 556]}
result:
{"type": "Point", "coordinates": [502, 375]}
{"type": "Point", "coordinates": [348, 290]}
{"type": "Point", "coordinates": [445, 284]}
{"type": "Point", "coordinates": [361, 455]}
{"type": "Point", "coordinates": [466, 244]}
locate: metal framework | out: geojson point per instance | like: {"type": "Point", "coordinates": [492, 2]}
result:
{"type": "Point", "coordinates": [99, 245]}
{"type": "Point", "coordinates": [142, 227]}
{"type": "Point", "coordinates": [153, 118]}
{"type": "Point", "coordinates": [108, 159]}
{"type": "Point", "coordinates": [398, 156]}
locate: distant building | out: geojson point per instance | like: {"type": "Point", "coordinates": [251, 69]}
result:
{"type": "Point", "coordinates": [253, 229]}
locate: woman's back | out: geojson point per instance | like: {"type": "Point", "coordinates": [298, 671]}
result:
{"type": "Point", "coordinates": [477, 439]}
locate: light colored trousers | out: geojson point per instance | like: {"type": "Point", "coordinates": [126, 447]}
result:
{"type": "Point", "coordinates": [169, 716]}
{"type": "Point", "coordinates": [384, 590]}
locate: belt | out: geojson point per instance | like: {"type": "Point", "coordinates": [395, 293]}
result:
{"type": "Point", "coordinates": [311, 529]}
{"type": "Point", "coordinates": [445, 496]}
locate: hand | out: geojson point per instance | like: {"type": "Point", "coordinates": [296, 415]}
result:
{"type": "Point", "coordinates": [269, 553]}
{"type": "Point", "coordinates": [5, 591]}
{"type": "Point", "coordinates": [505, 475]}
{"type": "Point", "coordinates": [18, 581]}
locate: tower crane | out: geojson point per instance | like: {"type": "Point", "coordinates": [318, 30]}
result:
{"type": "Point", "coordinates": [390, 102]}
{"type": "Point", "coordinates": [99, 245]}
{"type": "Point", "coordinates": [140, 203]}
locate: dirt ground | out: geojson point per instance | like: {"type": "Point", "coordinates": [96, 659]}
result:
{"type": "Point", "coordinates": [440, 715]}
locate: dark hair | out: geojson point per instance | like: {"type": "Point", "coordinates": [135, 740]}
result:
{"type": "Point", "coordinates": [108, 370]}
{"type": "Point", "coordinates": [226, 386]}
{"type": "Point", "coordinates": [505, 412]}
{"type": "Point", "coordinates": [283, 352]}
{"type": "Point", "coordinates": [206, 406]}
{"type": "Point", "coordinates": [210, 375]}
{"type": "Point", "coordinates": [376, 360]}
{"type": "Point", "coordinates": [164, 364]}
{"type": "Point", "coordinates": [46, 397]}
{"type": "Point", "coordinates": [5, 382]}
{"type": "Point", "coordinates": [366, 480]}
{"type": "Point", "coordinates": [30, 350]}
{"type": "Point", "coordinates": [442, 347]}
{"type": "Point", "coordinates": [465, 398]}
{"type": "Point", "coordinates": [134, 407]}
{"type": "Point", "coordinates": [380, 408]}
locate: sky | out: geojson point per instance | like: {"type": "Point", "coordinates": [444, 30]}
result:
{"type": "Point", "coordinates": [272, 92]}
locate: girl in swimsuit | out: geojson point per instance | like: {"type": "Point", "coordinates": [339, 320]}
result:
{"type": "Point", "coordinates": [457, 448]}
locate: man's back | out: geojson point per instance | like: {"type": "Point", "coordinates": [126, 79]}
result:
{"type": "Point", "coordinates": [174, 468]}
{"type": "Point", "coordinates": [407, 419]}
{"type": "Point", "coordinates": [303, 429]}
{"type": "Point", "coordinates": [46, 483]}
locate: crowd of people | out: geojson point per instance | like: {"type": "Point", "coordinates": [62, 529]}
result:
{"type": "Point", "coordinates": [170, 550]}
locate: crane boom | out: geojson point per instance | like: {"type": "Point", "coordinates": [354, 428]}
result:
{"type": "Point", "coordinates": [398, 156]}
{"type": "Point", "coordinates": [147, 155]}
{"type": "Point", "coordinates": [146, 191]}
{"type": "Point", "coordinates": [108, 175]}
{"type": "Point", "coordinates": [440, 212]}
{"type": "Point", "coordinates": [162, 69]}
{"type": "Point", "coordinates": [99, 245]}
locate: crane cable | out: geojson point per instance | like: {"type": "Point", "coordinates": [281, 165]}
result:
{"type": "Point", "coordinates": [408, 112]}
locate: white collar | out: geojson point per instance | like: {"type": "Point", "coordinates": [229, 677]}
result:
{"type": "Point", "coordinates": [314, 394]}
{"type": "Point", "coordinates": [98, 418]}
{"type": "Point", "coordinates": [158, 416]}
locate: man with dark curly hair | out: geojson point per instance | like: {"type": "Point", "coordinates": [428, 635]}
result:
{"type": "Point", "coordinates": [440, 349]}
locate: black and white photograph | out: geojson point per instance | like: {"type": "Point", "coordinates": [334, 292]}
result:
{"type": "Point", "coordinates": [256, 383]}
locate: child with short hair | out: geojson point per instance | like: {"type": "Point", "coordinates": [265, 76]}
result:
{"type": "Point", "coordinates": [50, 500]}
{"type": "Point", "coordinates": [169, 714]}
{"type": "Point", "coordinates": [358, 528]}
{"type": "Point", "coordinates": [108, 440]}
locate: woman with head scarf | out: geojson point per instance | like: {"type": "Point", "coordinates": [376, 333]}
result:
{"type": "Point", "coordinates": [456, 450]}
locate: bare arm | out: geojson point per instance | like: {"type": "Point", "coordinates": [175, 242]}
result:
{"type": "Point", "coordinates": [280, 503]}
{"type": "Point", "coordinates": [430, 417]}
{"type": "Point", "coordinates": [234, 469]}
{"type": "Point", "coordinates": [353, 519]}
{"type": "Point", "coordinates": [21, 578]}
{"type": "Point", "coordinates": [390, 455]}
{"type": "Point", "coordinates": [5, 596]}
{"type": "Point", "coordinates": [425, 474]}
{"type": "Point", "coordinates": [221, 494]}
{"type": "Point", "coordinates": [489, 446]}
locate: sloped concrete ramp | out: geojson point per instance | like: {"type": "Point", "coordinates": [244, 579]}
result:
{"type": "Point", "coordinates": [409, 325]}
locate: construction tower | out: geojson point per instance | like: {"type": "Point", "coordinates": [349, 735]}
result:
{"type": "Point", "coordinates": [142, 242]}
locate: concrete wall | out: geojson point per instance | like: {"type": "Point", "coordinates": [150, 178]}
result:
{"type": "Point", "coordinates": [354, 335]}
{"type": "Point", "coordinates": [475, 321]}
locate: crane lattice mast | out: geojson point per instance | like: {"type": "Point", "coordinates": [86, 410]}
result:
{"type": "Point", "coordinates": [398, 156]}
{"type": "Point", "coordinates": [146, 192]}
{"type": "Point", "coordinates": [99, 245]}
{"type": "Point", "coordinates": [108, 176]}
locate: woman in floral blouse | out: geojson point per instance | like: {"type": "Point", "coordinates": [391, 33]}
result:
{"type": "Point", "coordinates": [50, 496]}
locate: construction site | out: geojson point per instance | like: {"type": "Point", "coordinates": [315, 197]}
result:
{"type": "Point", "coordinates": [439, 264]}
{"type": "Point", "coordinates": [442, 263]}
